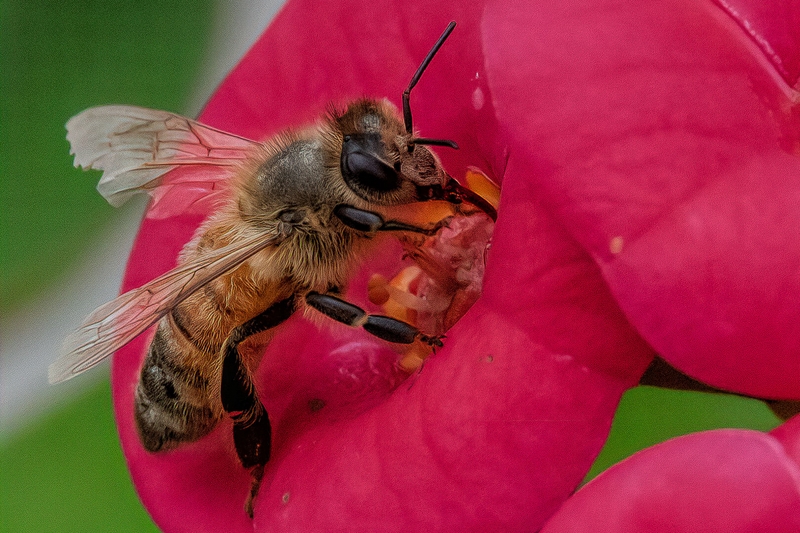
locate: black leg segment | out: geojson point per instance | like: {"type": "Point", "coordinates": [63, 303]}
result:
{"type": "Point", "coordinates": [337, 309]}
{"type": "Point", "coordinates": [384, 327]}
{"type": "Point", "coordinates": [370, 222]}
{"type": "Point", "coordinates": [251, 428]}
{"type": "Point", "coordinates": [390, 329]}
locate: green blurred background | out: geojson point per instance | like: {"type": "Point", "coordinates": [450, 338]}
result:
{"type": "Point", "coordinates": [62, 469]}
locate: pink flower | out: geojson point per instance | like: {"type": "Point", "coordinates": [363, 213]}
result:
{"type": "Point", "coordinates": [651, 197]}
{"type": "Point", "coordinates": [666, 144]}
{"type": "Point", "coordinates": [725, 481]}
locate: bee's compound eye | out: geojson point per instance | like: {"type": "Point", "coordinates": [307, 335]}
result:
{"type": "Point", "coordinates": [369, 172]}
{"type": "Point", "coordinates": [364, 170]}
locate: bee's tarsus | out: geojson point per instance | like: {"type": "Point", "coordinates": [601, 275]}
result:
{"type": "Point", "coordinates": [455, 193]}
{"type": "Point", "coordinates": [256, 474]}
{"type": "Point", "coordinates": [435, 341]}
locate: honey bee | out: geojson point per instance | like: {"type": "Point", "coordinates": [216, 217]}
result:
{"type": "Point", "coordinates": [302, 210]}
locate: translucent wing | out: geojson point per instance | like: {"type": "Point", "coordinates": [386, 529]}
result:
{"type": "Point", "coordinates": [136, 147]}
{"type": "Point", "coordinates": [113, 325]}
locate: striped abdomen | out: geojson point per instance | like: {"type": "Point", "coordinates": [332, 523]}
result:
{"type": "Point", "coordinates": [173, 403]}
{"type": "Point", "coordinates": [177, 398]}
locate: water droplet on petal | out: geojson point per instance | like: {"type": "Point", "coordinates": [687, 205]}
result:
{"type": "Point", "coordinates": [478, 99]}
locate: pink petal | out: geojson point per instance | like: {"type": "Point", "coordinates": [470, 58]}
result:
{"type": "Point", "coordinates": [724, 481]}
{"type": "Point", "coordinates": [788, 434]}
{"type": "Point", "coordinates": [662, 138]}
{"type": "Point", "coordinates": [498, 429]}
{"type": "Point", "coordinates": [502, 424]}
{"type": "Point", "coordinates": [775, 27]}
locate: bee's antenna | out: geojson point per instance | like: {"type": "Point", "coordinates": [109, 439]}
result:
{"type": "Point", "coordinates": [435, 142]}
{"type": "Point", "coordinates": [407, 93]}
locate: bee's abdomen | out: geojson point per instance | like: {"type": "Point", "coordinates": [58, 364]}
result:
{"type": "Point", "coordinates": [173, 404]}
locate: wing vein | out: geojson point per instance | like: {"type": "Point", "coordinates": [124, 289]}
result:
{"type": "Point", "coordinates": [114, 324]}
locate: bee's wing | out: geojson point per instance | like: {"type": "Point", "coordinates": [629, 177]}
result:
{"type": "Point", "coordinates": [113, 325]}
{"type": "Point", "coordinates": [135, 147]}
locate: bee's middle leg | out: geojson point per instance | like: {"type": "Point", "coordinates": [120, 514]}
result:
{"type": "Point", "coordinates": [384, 327]}
{"type": "Point", "coordinates": [252, 432]}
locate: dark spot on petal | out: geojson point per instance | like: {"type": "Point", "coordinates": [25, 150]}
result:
{"type": "Point", "coordinates": [315, 404]}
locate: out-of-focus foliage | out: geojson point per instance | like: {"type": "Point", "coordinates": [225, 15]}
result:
{"type": "Point", "coordinates": [65, 472]}
{"type": "Point", "coordinates": [58, 58]}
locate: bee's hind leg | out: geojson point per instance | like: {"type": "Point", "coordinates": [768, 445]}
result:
{"type": "Point", "coordinates": [384, 327]}
{"type": "Point", "coordinates": [252, 432]}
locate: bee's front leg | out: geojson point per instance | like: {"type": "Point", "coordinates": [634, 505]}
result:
{"type": "Point", "coordinates": [371, 222]}
{"type": "Point", "coordinates": [384, 327]}
{"type": "Point", "coordinates": [252, 432]}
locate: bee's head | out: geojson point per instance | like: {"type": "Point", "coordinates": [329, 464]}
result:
{"type": "Point", "coordinates": [379, 160]}
{"type": "Point", "coordinates": [383, 162]}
